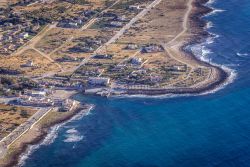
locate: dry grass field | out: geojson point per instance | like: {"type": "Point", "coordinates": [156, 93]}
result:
{"type": "Point", "coordinates": [160, 26]}
{"type": "Point", "coordinates": [41, 64]}
{"type": "Point", "coordinates": [54, 39]}
{"type": "Point", "coordinates": [11, 117]}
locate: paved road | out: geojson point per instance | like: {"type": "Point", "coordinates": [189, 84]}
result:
{"type": "Point", "coordinates": [134, 20]}
{"type": "Point", "coordinates": [122, 31]}
{"type": "Point", "coordinates": [86, 26]}
{"type": "Point", "coordinates": [19, 131]}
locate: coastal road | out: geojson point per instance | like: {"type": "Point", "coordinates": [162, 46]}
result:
{"type": "Point", "coordinates": [174, 45]}
{"type": "Point", "coordinates": [22, 129]}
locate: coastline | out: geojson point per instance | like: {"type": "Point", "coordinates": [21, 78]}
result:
{"type": "Point", "coordinates": [198, 35]}
{"type": "Point", "coordinates": [38, 133]}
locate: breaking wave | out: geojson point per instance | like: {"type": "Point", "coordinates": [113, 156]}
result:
{"type": "Point", "coordinates": [242, 54]}
{"type": "Point", "coordinates": [52, 135]}
{"type": "Point", "coordinates": [72, 135]}
{"type": "Point", "coordinates": [202, 52]}
{"type": "Point", "coordinates": [214, 10]}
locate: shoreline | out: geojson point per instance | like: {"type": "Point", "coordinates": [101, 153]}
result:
{"type": "Point", "coordinates": [198, 35]}
{"type": "Point", "coordinates": [37, 134]}
{"type": "Point", "coordinates": [52, 130]}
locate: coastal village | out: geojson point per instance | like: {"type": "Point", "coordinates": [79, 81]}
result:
{"type": "Point", "coordinates": [52, 49]}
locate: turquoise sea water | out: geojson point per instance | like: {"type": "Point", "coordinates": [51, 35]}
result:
{"type": "Point", "coordinates": [203, 131]}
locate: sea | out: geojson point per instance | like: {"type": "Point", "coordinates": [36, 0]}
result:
{"type": "Point", "coordinates": [207, 130]}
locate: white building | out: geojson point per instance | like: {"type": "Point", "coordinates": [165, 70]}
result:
{"type": "Point", "coordinates": [35, 93]}
{"type": "Point", "coordinates": [99, 81]}
{"type": "Point", "coordinates": [134, 7]}
{"type": "Point", "coordinates": [24, 35]}
{"type": "Point", "coordinates": [35, 101]}
{"type": "Point", "coordinates": [29, 63]}
{"type": "Point", "coordinates": [131, 47]}
{"type": "Point", "coordinates": [136, 61]}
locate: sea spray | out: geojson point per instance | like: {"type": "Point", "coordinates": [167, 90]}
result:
{"type": "Point", "coordinates": [72, 135]}
{"type": "Point", "coordinates": [51, 136]}
{"type": "Point", "coordinates": [244, 55]}
{"type": "Point", "coordinates": [203, 53]}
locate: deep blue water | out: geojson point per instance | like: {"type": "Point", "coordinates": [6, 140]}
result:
{"type": "Point", "coordinates": [203, 131]}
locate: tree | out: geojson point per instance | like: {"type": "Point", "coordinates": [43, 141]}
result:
{"type": "Point", "coordinates": [24, 114]}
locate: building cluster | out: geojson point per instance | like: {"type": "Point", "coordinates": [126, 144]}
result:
{"type": "Point", "coordinates": [87, 44]}
{"type": "Point", "coordinates": [15, 32]}
{"type": "Point", "coordinates": [78, 21]}
{"type": "Point", "coordinates": [112, 20]}
{"type": "Point", "coordinates": [152, 48]}
{"type": "Point", "coordinates": [62, 83]}
{"type": "Point", "coordinates": [36, 98]}
{"type": "Point", "coordinates": [65, 105]}
{"type": "Point", "coordinates": [43, 98]}
{"type": "Point", "coordinates": [35, 101]}
{"type": "Point", "coordinates": [89, 71]}
{"type": "Point", "coordinates": [131, 46]}
{"type": "Point", "coordinates": [98, 81]}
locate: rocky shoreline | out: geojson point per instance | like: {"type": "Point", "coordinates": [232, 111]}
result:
{"type": "Point", "coordinates": [13, 158]}
{"type": "Point", "coordinates": [199, 35]}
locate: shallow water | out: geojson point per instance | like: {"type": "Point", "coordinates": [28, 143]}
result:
{"type": "Point", "coordinates": [202, 131]}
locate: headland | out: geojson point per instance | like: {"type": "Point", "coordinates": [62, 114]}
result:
{"type": "Point", "coordinates": [106, 48]}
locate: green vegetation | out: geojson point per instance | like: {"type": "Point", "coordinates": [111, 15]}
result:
{"type": "Point", "coordinates": [17, 83]}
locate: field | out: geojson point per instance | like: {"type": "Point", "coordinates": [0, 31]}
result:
{"type": "Point", "coordinates": [41, 64]}
{"type": "Point", "coordinates": [60, 50]}
{"type": "Point", "coordinates": [11, 117]}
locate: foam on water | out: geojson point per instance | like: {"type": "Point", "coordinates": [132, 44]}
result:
{"type": "Point", "coordinates": [242, 54]}
{"type": "Point", "coordinates": [52, 135]}
{"type": "Point", "coordinates": [202, 52]}
{"type": "Point", "coordinates": [214, 10]}
{"type": "Point", "coordinates": [70, 131]}
{"type": "Point", "coordinates": [210, 2]}
{"type": "Point", "coordinates": [72, 135]}
{"type": "Point", "coordinates": [209, 25]}
{"type": "Point", "coordinates": [73, 138]}
{"type": "Point", "coordinates": [48, 140]}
